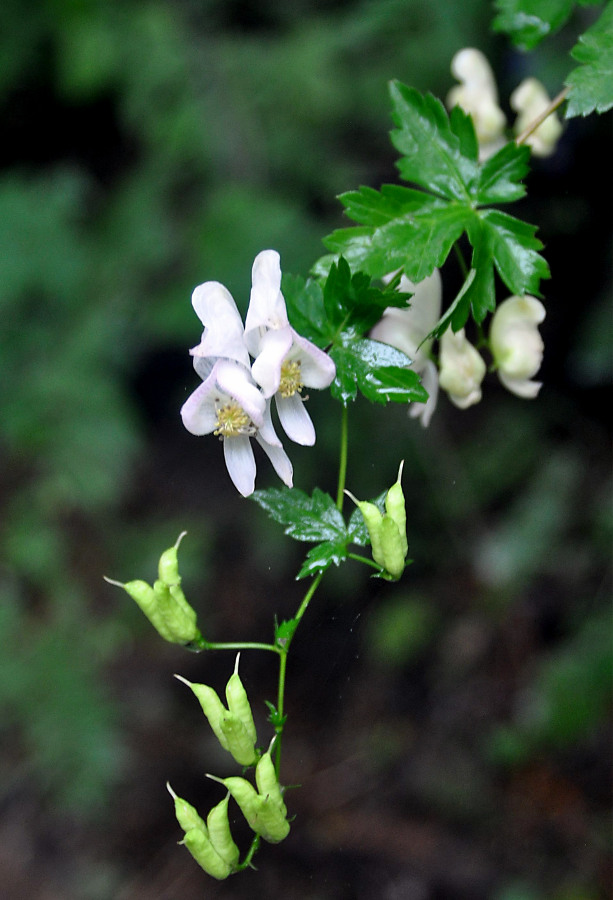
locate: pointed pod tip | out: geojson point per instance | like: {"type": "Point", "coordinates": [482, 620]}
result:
{"type": "Point", "coordinates": [112, 581]}
{"type": "Point", "coordinates": [179, 539]}
{"type": "Point", "coordinates": [184, 680]}
{"type": "Point", "coordinates": [170, 791]}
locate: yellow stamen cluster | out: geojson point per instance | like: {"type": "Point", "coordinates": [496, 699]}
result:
{"type": "Point", "coordinates": [291, 382]}
{"type": "Point", "coordinates": [232, 420]}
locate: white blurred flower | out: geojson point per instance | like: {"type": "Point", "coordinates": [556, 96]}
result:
{"type": "Point", "coordinates": [529, 100]}
{"type": "Point", "coordinates": [229, 404]}
{"type": "Point", "coordinates": [284, 362]}
{"type": "Point", "coordinates": [516, 344]}
{"type": "Point", "coordinates": [406, 329]}
{"type": "Point", "coordinates": [462, 369]}
{"type": "Point", "coordinates": [477, 95]}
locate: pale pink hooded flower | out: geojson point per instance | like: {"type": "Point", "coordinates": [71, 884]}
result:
{"type": "Point", "coordinates": [284, 362]}
{"type": "Point", "coordinates": [516, 344]}
{"type": "Point", "coordinates": [462, 369]}
{"type": "Point", "coordinates": [228, 403]}
{"type": "Point", "coordinates": [477, 95]}
{"type": "Point", "coordinates": [407, 330]}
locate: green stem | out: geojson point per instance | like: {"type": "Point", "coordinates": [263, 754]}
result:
{"type": "Point", "coordinates": [364, 559]}
{"type": "Point", "coordinates": [342, 465]}
{"type": "Point", "coordinates": [284, 650]}
{"type": "Point", "coordinates": [237, 645]}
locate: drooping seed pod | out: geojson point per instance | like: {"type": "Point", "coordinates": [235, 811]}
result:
{"type": "Point", "coordinates": [239, 743]}
{"type": "Point", "coordinates": [168, 566]}
{"type": "Point", "coordinates": [270, 822]}
{"type": "Point", "coordinates": [199, 845]}
{"type": "Point", "coordinates": [268, 783]}
{"type": "Point", "coordinates": [147, 600]}
{"type": "Point", "coordinates": [179, 618]}
{"type": "Point", "coordinates": [396, 509]}
{"type": "Point", "coordinates": [219, 833]}
{"type": "Point", "coordinates": [392, 549]}
{"type": "Point", "coordinates": [212, 707]}
{"type": "Point", "coordinates": [187, 815]}
{"type": "Point", "coordinates": [245, 795]}
{"type": "Point", "coordinates": [238, 702]}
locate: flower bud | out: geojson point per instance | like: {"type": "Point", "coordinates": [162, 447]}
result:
{"type": "Point", "coordinates": [388, 533]}
{"type": "Point", "coordinates": [461, 369]}
{"type": "Point", "coordinates": [517, 346]}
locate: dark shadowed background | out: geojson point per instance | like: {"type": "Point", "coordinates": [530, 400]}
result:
{"type": "Point", "coordinates": [450, 733]}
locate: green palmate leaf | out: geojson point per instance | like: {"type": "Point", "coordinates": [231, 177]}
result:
{"type": "Point", "coordinates": [305, 518]}
{"type": "Point", "coordinates": [379, 371]}
{"type": "Point", "coordinates": [527, 22]}
{"type": "Point", "coordinates": [323, 556]}
{"type": "Point", "coordinates": [591, 83]}
{"type": "Point", "coordinates": [305, 309]}
{"type": "Point", "coordinates": [431, 147]}
{"type": "Point", "coordinates": [414, 230]}
{"type": "Point", "coordinates": [501, 175]}
{"type": "Point", "coordinates": [456, 314]}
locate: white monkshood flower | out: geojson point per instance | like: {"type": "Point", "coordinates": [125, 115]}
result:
{"type": "Point", "coordinates": [529, 100]}
{"type": "Point", "coordinates": [406, 329]}
{"type": "Point", "coordinates": [461, 369]}
{"type": "Point", "coordinates": [477, 95]}
{"type": "Point", "coordinates": [229, 404]}
{"type": "Point", "coordinates": [517, 346]}
{"type": "Point", "coordinates": [284, 362]}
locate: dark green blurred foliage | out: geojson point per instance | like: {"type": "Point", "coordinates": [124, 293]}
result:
{"type": "Point", "coordinates": [149, 146]}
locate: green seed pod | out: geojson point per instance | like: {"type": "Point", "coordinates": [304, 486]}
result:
{"type": "Point", "coordinates": [270, 822]}
{"type": "Point", "coordinates": [182, 625]}
{"type": "Point", "coordinates": [168, 566]}
{"type": "Point", "coordinates": [239, 743]}
{"type": "Point", "coordinates": [212, 707]}
{"type": "Point", "coordinates": [396, 509]}
{"type": "Point", "coordinates": [238, 702]}
{"type": "Point", "coordinates": [268, 783]}
{"type": "Point", "coordinates": [393, 552]}
{"type": "Point", "coordinates": [186, 814]}
{"type": "Point", "coordinates": [245, 795]}
{"type": "Point", "coordinates": [219, 833]}
{"type": "Point", "coordinates": [200, 847]}
{"type": "Point", "coordinates": [146, 598]}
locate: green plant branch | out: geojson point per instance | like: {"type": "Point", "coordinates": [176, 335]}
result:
{"type": "Point", "coordinates": [555, 103]}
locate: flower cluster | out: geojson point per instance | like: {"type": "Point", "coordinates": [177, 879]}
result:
{"type": "Point", "coordinates": [478, 96]}
{"type": "Point", "coordinates": [514, 341]}
{"type": "Point", "coordinates": [233, 401]}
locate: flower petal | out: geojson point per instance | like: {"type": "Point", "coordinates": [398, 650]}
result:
{"type": "Point", "coordinates": [240, 463]}
{"type": "Point", "coordinates": [223, 326]}
{"type": "Point", "coordinates": [266, 304]}
{"type": "Point", "coordinates": [279, 458]}
{"type": "Point", "coordinates": [317, 369]}
{"type": "Point", "coordinates": [295, 420]}
{"type": "Point", "coordinates": [199, 412]}
{"type": "Point", "coordinates": [429, 379]}
{"type": "Point", "coordinates": [236, 381]}
{"type": "Point", "coordinates": [273, 348]}
{"type": "Point", "coordinates": [524, 388]}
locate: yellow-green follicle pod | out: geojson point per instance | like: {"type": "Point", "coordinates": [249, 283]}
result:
{"type": "Point", "coordinates": [147, 600]}
{"type": "Point", "coordinates": [245, 795]}
{"type": "Point", "coordinates": [238, 702]}
{"type": "Point", "coordinates": [393, 553]}
{"type": "Point", "coordinates": [180, 623]}
{"type": "Point", "coordinates": [168, 566]}
{"type": "Point", "coordinates": [268, 783]}
{"type": "Point", "coordinates": [187, 815]}
{"type": "Point", "coordinates": [396, 510]}
{"type": "Point", "coordinates": [212, 707]}
{"type": "Point", "coordinates": [220, 835]}
{"type": "Point", "coordinates": [199, 845]}
{"type": "Point", "coordinates": [239, 744]}
{"type": "Point", "coordinates": [270, 822]}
